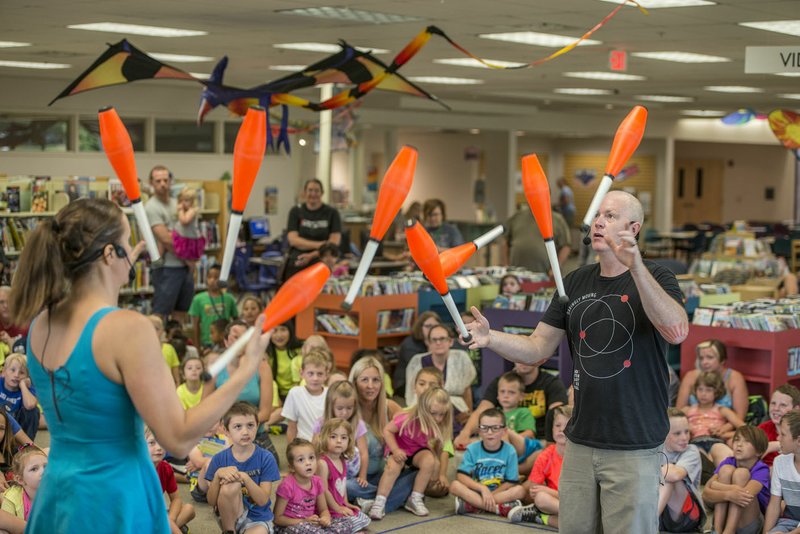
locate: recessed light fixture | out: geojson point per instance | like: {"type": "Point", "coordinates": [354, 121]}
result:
{"type": "Point", "coordinates": [180, 58]}
{"type": "Point", "coordinates": [732, 89]}
{"type": "Point", "coordinates": [537, 39]}
{"type": "Point", "coordinates": [581, 91]}
{"type": "Point", "coordinates": [790, 96]}
{"type": "Point", "coordinates": [136, 29]}
{"type": "Point", "coordinates": [788, 74]}
{"type": "Point", "coordinates": [288, 68]}
{"type": "Point", "coordinates": [681, 57]}
{"type": "Point", "coordinates": [325, 47]}
{"type": "Point", "coordinates": [445, 80]}
{"type": "Point", "coordinates": [12, 44]}
{"type": "Point", "coordinates": [658, 4]}
{"type": "Point", "coordinates": [519, 133]}
{"type": "Point", "coordinates": [33, 65]}
{"type": "Point", "coordinates": [664, 98]}
{"type": "Point", "coordinates": [301, 142]}
{"type": "Point", "coordinates": [789, 27]}
{"type": "Point", "coordinates": [601, 75]}
{"type": "Point", "coordinates": [474, 131]}
{"type": "Point", "coordinates": [469, 62]}
{"type": "Point", "coordinates": [345, 13]}
{"type": "Point", "coordinates": [702, 113]}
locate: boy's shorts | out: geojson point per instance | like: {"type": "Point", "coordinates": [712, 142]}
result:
{"type": "Point", "coordinates": [785, 524]}
{"type": "Point", "coordinates": [244, 522]}
{"type": "Point", "coordinates": [692, 516]}
{"type": "Point", "coordinates": [531, 445]}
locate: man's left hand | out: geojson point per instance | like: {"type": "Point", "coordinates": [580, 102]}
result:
{"type": "Point", "coordinates": [626, 249]}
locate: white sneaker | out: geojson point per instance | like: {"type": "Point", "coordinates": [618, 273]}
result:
{"type": "Point", "coordinates": [416, 505]}
{"type": "Point", "coordinates": [365, 504]}
{"type": "Point", "coordinates": [377, 513]}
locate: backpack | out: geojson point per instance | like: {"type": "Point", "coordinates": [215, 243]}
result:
{"type": "Point", "coordinates": [757, 410]}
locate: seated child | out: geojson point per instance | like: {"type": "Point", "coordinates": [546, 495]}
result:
{"type": "Point", "coordinates": [488, 477]}
{"type": "Point", "coordinates": [785, 479]}
{"type": "Point", "coordinates": [521, 426]}
{"type": "Point", "coordinates": [28, 467]}
{"type": "Point", "coordinates": [739, 489]}
{"type": "Point", "coordinates": [340, 402]}
{"type": "Point", "coordinates": [179, 513]}
{"type": "Point", "coordinates": [439, 485]}
{"type": "Point", "coordinates": [167, 349]}
{"type": "Point", "coordinates": [785, 398]}
{"type": "Point", "coordinates": [11, 438]}
{"type": "Point", "coordinates": [17, 394]}
{"type": "Point", "coordinates": [300, 503]}
{"type": "Point", "coordinates": [329, 254]}
{"type": "Point", "coordinates": [680, 507]}
{"type": "Point", "coordinates": [216, 333]}
{"type": "Point", "coordinates": [200, 456]}
{"type": "Point", "coordinates": [542, 484]}
{"type": "Point", "coordinates": [334, 445]}
{"type": "Point", "coordinates": [282, 352]}
{"type": "Point", "coordinates": [306, 404]}
{"type": "Point", "coordinates": [709, 421]}
{"type": "Point", "coordinates": [191, 391]}
{"type": "Point", "coordinates": [241, 476]}
{"type": "Point", "coordinates": [415, 438]}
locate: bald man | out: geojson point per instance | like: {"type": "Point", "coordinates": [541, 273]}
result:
{"type": "Point", "coordinates": [621, 315]}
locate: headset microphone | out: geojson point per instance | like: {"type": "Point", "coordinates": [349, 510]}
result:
{"type": "Point", "coordinates": [120, 250]}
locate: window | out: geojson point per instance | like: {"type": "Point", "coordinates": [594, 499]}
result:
{"type": "Point", "coordinates": [184, 136]}
{"type": "Point", "coordinates": [34, 134]}
{"type": "Point", "coordinates": [89, 134]}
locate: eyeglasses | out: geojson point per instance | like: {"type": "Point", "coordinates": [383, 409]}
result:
{"type": "Point", "coordinates": [491, 428]}
{"type": "Point", "coordinates": [439, 339]}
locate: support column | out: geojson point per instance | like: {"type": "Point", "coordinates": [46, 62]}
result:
{"type": "Point", "coordinates": [324, 156]}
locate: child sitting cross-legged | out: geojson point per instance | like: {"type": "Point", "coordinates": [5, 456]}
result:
{"type": "Point", "coordinates": [739, 489]}
{"type": "Point", "coordinates": [520, 422]}
{"type": "Point", "coordinates": [679, 504]}
{"type": "Point", "coordinates": [179, 513]}
{"type": "Point", "coordinates": [300, 503]}
{"type": "Point", "coordinates": [241, 476]}
{"type": "Point", "coordinates": [711, 424]}
{"type": "Point", "coordinates": [488, 477]}
{"type": "Point", "coordinates": [305, 405]}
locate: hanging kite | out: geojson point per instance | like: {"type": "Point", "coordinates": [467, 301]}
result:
{"type": "Point", "coordinates": [785, 125]}
{"type": "Point", "coordinates": [124, 63]}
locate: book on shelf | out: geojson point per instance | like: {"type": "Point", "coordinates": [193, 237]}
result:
{"type": "Point", "coordinates": [703, 316]}
{"type": "Point", "coordinates": [338, 324]}
{"type": "Point", "coordinates": [395, 321]}
{"type": "Point", "coordinates": [794, 361]}
{"type": "Point", "coordinates": [117, 193]}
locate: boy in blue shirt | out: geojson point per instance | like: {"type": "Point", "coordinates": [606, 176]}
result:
{"type": "Point", "coordinates": [240, 477]}
{"type": "Point", "coordinates": [488, 477]}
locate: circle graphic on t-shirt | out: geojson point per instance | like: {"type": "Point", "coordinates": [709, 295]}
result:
{"type": "Point", "coordinates": [603, 335]}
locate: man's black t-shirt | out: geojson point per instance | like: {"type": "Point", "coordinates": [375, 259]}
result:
{"type": "Point", "coordinates": [315, 225]}
{"type": "Point", "coordinates": [620, 372]}
{"type": "Point", "coordinates": [539, 394]}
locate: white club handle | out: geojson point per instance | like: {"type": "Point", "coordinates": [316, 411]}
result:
{"type": "Point", "coordinates": [234, 224]}
{"type": "Point", "coordinates": [550, 246]}
{"type": "Point", "coordinates": [361, 273]}
{"type": "Point", "coordinates": [144, 228]}
{"type": "Point", "coordinates": [605, 185]}
{"type": "Point", "coordinates": [230, 353]}
{"type": "Point", "coordinates": [451, 307]}
{"type": "Point", "coordinates": [489, 236]}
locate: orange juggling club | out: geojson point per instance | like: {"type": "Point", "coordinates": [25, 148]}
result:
{"type": "Point", "coordinates": [454, 258]}
{"type": "Point", "coordinates": [394, 190]}
{"type": "Point", "coordinates": [294, 296]}
{"type": "Point", "coordinates": [119, 151]}
{"type": "Point", "coordinates": [248, 153]}
{"type": "Point", "coordinates": [537, 192]}
{"type": "Point", "coordinates": [425, 255]}
{"type": "Point", "coordinates": [626, 141]}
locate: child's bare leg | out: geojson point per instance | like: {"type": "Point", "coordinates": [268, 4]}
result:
{"type": "Point", "coordinates": [229, 504]}
{"type": "Point", "coordinates": [671, 496]}
{"type": "Point", "coordinates": [547, 503]}
{"type": "Point", "coordinates": [721, 509]}
{"type": "Point", "coordinates": [720, 451]}
{"type": "Point", "coordinates": [186, 514]}
{"type": "Point", "coordinates": [517, 441]}
{"type": "Point", "coordinates": [515, 492]}
{"type": "Point", "coordinates": [426, 462]}
{"type": "Point", "coordinates": [526, 467]}
{"type": "Point", "coordinates": [469, 495]}
{"type": "Point", "coordinates": [736, 514]}
{"type": "Point", "coordinates": [202, 483]}
{"type": "Point", "coordinates": [389, 476]}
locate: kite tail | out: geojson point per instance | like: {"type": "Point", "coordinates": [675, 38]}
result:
{"type": "Point", "coordinates": [283, 133]}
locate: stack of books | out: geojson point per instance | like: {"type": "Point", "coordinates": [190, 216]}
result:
{"type": "Point", "coordinates": [767, 315]}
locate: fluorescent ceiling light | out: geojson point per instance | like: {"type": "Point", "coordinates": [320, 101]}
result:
{"type": "Point", "coordinates": [345, 13]}
{"type": "Point", "coordinates": [789, 27]}
{"type": "Point", "coordinates": [790, 96]}
{"type": "Point", "coordinates": [601, 75]}
{"type": "Point", "coordinates": [136, 29]}
{"type": "Point", "coordinates": [12, 44]}
{"type": "Point", "coordinates": [325, 47]}
{"type": "Point", "coordinates": [537, 39]}
{"type": "Point", "coordinates": [470, 62]}
{"type": "Point", "coordinates": [681, 57]}
{"type": "Point", "coordinates": [664, 98]}
{"type": "Point", "coordinates": [581, 91]}
{"type": "Point", "coordinates": [658, 4]}
{"type": "Point", "coordinates": [445, 80]}
{"type": "Point", "coordinates": [180, 58]}
{"type": "Point", "coordinates": [788, 74]}
{"type": "Point", "coordinates": [288, 68]}
{"type": "Point", "coordinates": [702, 113]}
{"type": "Point", "coordinates": [732, 89]}
{"type": "Point", "coordinates": [33, 65]}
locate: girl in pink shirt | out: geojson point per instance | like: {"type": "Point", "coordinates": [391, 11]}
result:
{"type": "Point", "coordinates": [710, 424]}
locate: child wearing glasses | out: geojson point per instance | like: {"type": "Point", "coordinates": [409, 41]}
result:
{"type": "Point", "coordinates": [488, 477]}
{"type": "Point", "coordinates": [542, 484]}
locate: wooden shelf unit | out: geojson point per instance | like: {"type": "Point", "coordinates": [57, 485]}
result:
{"type": "Point", "coordinates": [762, 357]}
{"type": "Point", "coordinates": [365, 312]}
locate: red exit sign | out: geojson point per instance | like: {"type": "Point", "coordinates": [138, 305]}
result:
{"type": "Point", "coordinates": [618, 60]}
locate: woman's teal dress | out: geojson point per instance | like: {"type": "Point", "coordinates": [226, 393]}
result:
{"type": "Point", "coordinates": [99, 477]}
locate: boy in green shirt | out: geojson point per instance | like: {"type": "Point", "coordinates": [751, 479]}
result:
{"type": "Point", "coordinates": [209, 306]}
{"type": "Point", "coordinates": [519, 420]}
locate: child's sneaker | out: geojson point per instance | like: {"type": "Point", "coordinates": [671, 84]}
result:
{"type": "Point", "coordinates": [504, 509]}
{"type": "Point", "coordinates": [416, 505]}
{"type": "Point", "coordinates": [463, 507]}
{"type": "Point", "coordinates": [365, 504]}
{"type": "Point", "coordinates": [524, 514]}
{"type": "Point", "coordinates": [377, 512]}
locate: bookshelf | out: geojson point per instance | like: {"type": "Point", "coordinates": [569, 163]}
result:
{"type": "Point", "coordinates": [762, 357]}
{"type": "Point", "coordinates": [365, 314]}
{"type": "Point", "coordinates": [494, 365]}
